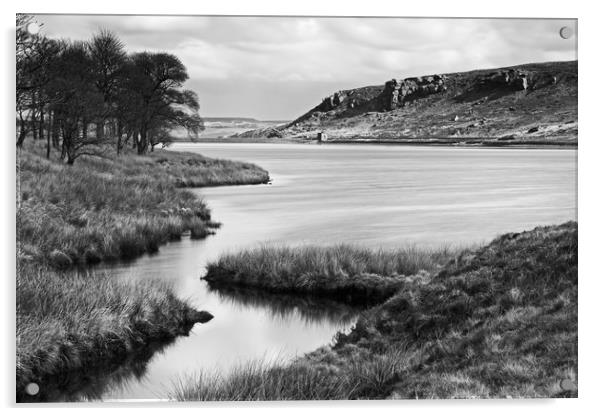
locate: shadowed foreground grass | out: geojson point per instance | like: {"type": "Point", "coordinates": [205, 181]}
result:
{"type": "Point", "coordinates": [344, 272]}
{"type": "Point", "coordinates": [497, 322]}
{"type": "Point", "coordinates": [69, 320]}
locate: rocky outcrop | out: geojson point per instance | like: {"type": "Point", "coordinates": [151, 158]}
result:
{"type": "Point", "coordinates": [272, 132]}
{"type": "Point", "coordinates": [341, 100]}
{"type": "Point", "coordinates": [514, 79]}
{"type": "Point", "coordinates": [398, 93]}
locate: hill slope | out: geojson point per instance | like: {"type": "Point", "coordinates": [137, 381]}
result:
{"type": "Point", "coordinates": [526, 104]}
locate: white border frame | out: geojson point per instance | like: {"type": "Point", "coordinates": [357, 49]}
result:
{"type": "Point", "coordinates": [589, 152]}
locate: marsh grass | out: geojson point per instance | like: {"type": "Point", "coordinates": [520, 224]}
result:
{"type": "Point", "coordinates": [345, 272]}
{"type": "Point", "coordinates": [109, 209]}
{"type": "Point", "coordinates": [261, 380]}
{"type": "Point", "coordinates": [69, 320]}
{"type": "Point", "coordinates": [304, 379]}
{"type": "Point", "coordinates": [496, 322]}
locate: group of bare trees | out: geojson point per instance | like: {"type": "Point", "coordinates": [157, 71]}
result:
{"type": "Point", "coordinates": [84, 97]}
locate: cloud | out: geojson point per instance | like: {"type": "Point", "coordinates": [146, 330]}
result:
{"type": "Point", "coordinates": [326, 52]}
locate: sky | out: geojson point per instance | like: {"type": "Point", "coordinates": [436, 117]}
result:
{"type": "Point", "coordinates": [277, 68]}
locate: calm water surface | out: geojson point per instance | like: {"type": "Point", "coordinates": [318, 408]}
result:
{"type": "Point", "coordinates": [377, 196]}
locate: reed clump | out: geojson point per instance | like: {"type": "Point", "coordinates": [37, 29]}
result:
{"type": "Point", "coordinates": [345, 272]}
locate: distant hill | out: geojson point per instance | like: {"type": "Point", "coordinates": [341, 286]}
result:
{"type": "Point", "coordinates": [524, 104]}
{"type": "Point", "coordinates": [217, 128]}
{"type": "Point", "coordinates": [229, 119]}
{"type": "Point", "coordinates": [241, 120]}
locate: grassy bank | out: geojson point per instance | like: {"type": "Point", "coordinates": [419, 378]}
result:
{"type": "Point", "coordinates": [108, 209]}
{"type": "Point", "coordinates": [97, 210]}
{"type": "Point", "coordinates": [344, 272]}
{"type": "Point", "coordinates": [497, 322]}
{"type": "Point", "coordinates": [70, 320]}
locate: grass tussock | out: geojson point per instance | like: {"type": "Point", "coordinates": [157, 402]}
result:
{"type": "Point", "coordinates": [70, 320]}
{"type": "Point", "coordinates": [304, 379]}
{"type": "Point", "coordinates": [344, 272]}
{"type": "Point", "coordinates": [497, 322]}
{"type": "Point", "coordinates": [108, 209]}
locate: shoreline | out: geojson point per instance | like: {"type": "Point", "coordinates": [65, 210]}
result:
{"type": "Point", "coordinates": [478, 143]}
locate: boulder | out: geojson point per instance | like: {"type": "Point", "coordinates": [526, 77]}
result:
{"type": "Point", "coordinates": [533, 129]}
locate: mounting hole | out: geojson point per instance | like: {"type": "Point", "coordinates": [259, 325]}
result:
{"type": "Point", "coordinates": [566, 32]}
{"type": "Point", "coordinates": [32, 389]}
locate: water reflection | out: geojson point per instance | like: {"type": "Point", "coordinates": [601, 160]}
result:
{"type": "Point", "coordinates": [92, 383]}
{"type": "Point", "coordinates": [286, 307]}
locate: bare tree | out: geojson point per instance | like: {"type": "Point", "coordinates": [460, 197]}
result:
{"type": "Point", "coordinates": [76, 101]}
{"type": "Point", "coordinates": [34, 55]}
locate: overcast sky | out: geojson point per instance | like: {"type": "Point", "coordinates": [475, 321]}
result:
{"type": "Point", "coordinates": [278, 68]}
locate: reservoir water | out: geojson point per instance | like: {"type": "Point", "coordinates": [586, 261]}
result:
{"type": "Point", "coordinates": [369, 195]}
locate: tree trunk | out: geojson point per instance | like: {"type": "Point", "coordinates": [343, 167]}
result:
{"type": "Point", "coordinates": [22, 131]}
{"type": "Point", "coordinates": [100, 129]}
{"type": "Point", "coordinates": [119, 133]}
{"type": "Point", "coordinates": [68, 150]}
{"type": "Point", "coordinates": [66, 139]}
{"type": "Point", "coordinates": [41, 124]}
{"type": "Point", "coordinates": [142, 142]}
{"type": "Point", "coordinates": [21, 138]}
{"type": "Point", "coordinates": [34, 125]}
{"type": "Point", "coordinates": [48, 146]}
{"type": "Point", "coordinates": [55, 131]}
{"type": "Point", "coordinates": [48, 136]}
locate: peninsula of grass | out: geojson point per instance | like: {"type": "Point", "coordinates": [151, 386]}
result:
{"type": "Point", "coordinates": [102, 209]}
{"type": "Point", "coordinates": [344, 272]}
{"type": "Point", "coordinates": [496, 322]}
